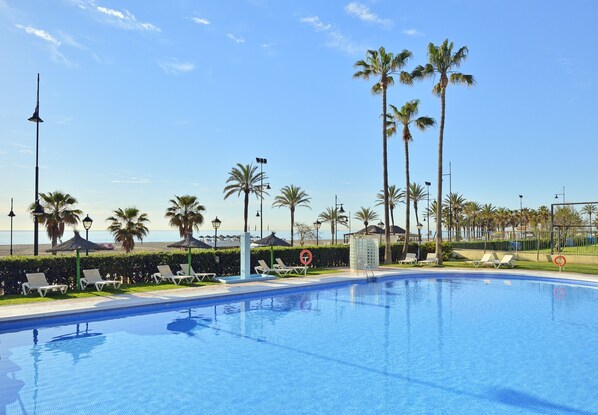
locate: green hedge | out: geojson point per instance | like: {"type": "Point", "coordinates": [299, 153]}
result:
{"type": "Point", "coordinates": [504, 245]}
{"type": "Point", "coordinates": [138, 267]}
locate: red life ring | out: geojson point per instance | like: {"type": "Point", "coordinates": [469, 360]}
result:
{"type": "Point", "coordinates": [305, 257]}
{"type": "Point", "coordinates": [560, 261]}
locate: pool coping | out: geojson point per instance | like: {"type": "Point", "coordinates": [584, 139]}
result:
{"type": "Point", "coordinates": [20, 312]}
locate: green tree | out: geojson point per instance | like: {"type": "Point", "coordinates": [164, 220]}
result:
{"type": "Point", "coordinates": [292, 197]}
{"type": "Point", "coordinates": [418, 193]}
{"type": "Point", "coordinates": [185, 213]}
{"type": "Point", "coordinates": [382, 65]}
{"type": "Point", "coordinates": [333, 216]}
{"type": "Point", "coordinates": [245, 179]}
{"type": "Point", "coordinates": [471, 210]}
{"type": "Point", "coordinates": [457, 204]}
{"type": "Point", "coordinates": [395, 196]}
{"type": "Point", "coordinates": [589, 209]}
{"type": "Point", "coordinates": [127, 225]}
{"type": "Point", "coordinates": [442, 61]}
{"type": "Point", "coordinates": [59, 211]}
{"type": "Point", "coordinates": [366, 215]}
{"type": "Point", "coordinates": [403, 118]}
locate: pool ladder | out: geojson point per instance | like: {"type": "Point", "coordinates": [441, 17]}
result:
{"type": "Point", "coordinates": [367, 270]}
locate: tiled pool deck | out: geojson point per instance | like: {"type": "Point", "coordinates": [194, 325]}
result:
{"type": "Point", "coordinates": [80, 305]}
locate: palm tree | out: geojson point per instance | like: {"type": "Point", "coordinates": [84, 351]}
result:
{"type": "Point", "coordinates": [404, 118]}
{"type": "Point", "coordinates": [543, 216]}
{"type": "Point", "coordinates": [292, 196]}
{"type": "Point", "coordinates": [442, 61]}
{"type": "Point", "coordinates": [417, 193]}
{"type": "Point", "coordinates": [395, 196]}
{"type": "Point", "coordinates": [244, 179]}
{"type": "Point", "coordinates": [383, 65]}
{"type": "Point", "coordinates": [471, 210]}
{"type": "Point", "coordinates": [333, 216]}
{"type": "Point", "coordinates": [501, 217]}
{"type": "Point", "coordinates": [127, 225]}
{"type": "Point", "coordinates": [589, 210]}
{"type": "Point", "coordinates": [456, 202]}
{"type": "Point", "coordinates": [185, 213]}
{"type": "Point", "coordinates": [59, 211]}
{"type": "Point", "coordinates": [366, 215]}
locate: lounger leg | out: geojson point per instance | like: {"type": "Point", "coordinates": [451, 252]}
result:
{"type": "Point", "coordinates": [41, 292]}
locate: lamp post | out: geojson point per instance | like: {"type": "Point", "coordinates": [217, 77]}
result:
{"type": "Point", "coordinates": [336, 212]}
{"type": "Point", "coordinates": [450, 229]}
{"type": "Point", "coordinates": [556, 195]}
{"type": "Point", "coordinates": [216, 224]}
{"type": "Point", "coordinates": [317, 225]}
{"type": "Point", "coordinates": [419, 231]}
{"type": "Point", "coordinates": [11, 215]}
{"type": "Point", "coordinates": [428, 184]}
{"type": "Point", "coordinates": [87, 222]}
{"type": "Point", "coordinates": [261, 162]}
{"type": "Point", "coordinates": [521, 216]}
{"type": "Point", "coordinates": [38, 211]}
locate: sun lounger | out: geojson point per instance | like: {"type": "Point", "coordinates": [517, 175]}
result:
{"type": "Point", "coordinates": [93, 277]}
{"type": "Point", "coordinates": [200, 276]}
{"type": "Point", "coordinates": [506, 260]}
{"type": "Point", "coordinates": [264, 269]}
{"type": "Point", "coordinates": [430, 259]}
{"type": "Point", "coordinates": [410, 258]}
{"type": "Point", "coordinates": [295, 269]}
{"type": "Point", "coordinates": [37, 282]}
{"type": "Point", "coordinates": [484, 260]}
{"type": "Point", "coordinates": [165, 273]}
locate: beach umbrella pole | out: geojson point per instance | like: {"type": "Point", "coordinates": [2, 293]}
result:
{"type": "Point", "coordinates": [78, 270]}
{"type": "Point", "coordinates": [189, 262]}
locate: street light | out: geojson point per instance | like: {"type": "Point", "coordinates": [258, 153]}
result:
{"type": "Point", "coordinates": [38, 211]}
{"type": "Point", "coordinates": [521, 215]}
{"type": "Point", "coordinates": [428, 184]}
{"type": "Point", "coordinates": [261, 162]}
{"type": "Point", "coordinates": [336, 212]}
{"type": "Point", "coordinates": [87, 222]}
{"type": "Point", "coordinates": [216, 224]}
{"type": "Point", "coordinates": [419, 231]}
{"type": "Point", "coordinates": [556, 195]}
{"type": "Point", "coordinates": [11, 215]}
{"type": "Point", "coordinates": [317, 225]}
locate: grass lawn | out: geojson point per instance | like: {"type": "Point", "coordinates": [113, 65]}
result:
{"type": "Point", "coordinates": [126, 289]}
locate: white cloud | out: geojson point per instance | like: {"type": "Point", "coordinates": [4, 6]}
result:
{"type": "Point", "coordinates": [412, 32]}
{"type": "Point", "coordinates": [362, 12]}
{"type": "Point", "coordinates": [200, 20]}
{"type": "Point", "coordinates": [316, 23]}
{"type": "Point", "coordinates": [268, 45]}
{"type": "Point", "coordinates": [110, 12]}
{"type": "Point", "coordinates": [122, 19]}
{"type": "Point", "coordinates": [175, 67]}
{"type": "Point", "coordinates": [42, 34]}
{"type": "Point", "coordinates": [234, 38]}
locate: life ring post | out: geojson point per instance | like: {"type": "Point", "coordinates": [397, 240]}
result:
{"type": "Point", "coordinates": [560, 261]}
{"type": "Point", "coordinates": [305, 257]}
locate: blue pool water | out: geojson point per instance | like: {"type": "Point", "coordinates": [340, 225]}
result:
{"type": "Point", "coordinates": [414, 346]}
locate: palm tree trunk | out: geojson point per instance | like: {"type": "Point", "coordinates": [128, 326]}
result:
{"type": "Point", "coordinates": [332, 231]}
{"type": "Point", "coordinates": [439, 178]}
{"type": "Point", "coordinates": [54, 243]}
{"type": "Point", "coordinates": [392, 220]}
{"type": "Point", "coordinates": [245, 211]}
{"type": "Point", "coordinates": [407, 201]}
{"type": "Point", "coordinates": [292, 222]}
{"type": "Point", "coordinates": [387, 252]}
{"type": "Point", "coordinates": [419, 232]}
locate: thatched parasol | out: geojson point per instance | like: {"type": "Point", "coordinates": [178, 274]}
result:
{"type": "Point", "coordinates": [272, 240]}
{"type": "Point", "coordinates": [189, 242]}
{"type": "Point", "coordinates": [77, 243]}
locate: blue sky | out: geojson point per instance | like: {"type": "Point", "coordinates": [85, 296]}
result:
{"type": "Point", "coordinates": [146, 100]}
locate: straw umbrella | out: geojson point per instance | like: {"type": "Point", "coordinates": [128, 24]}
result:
{"type": "Point", "coordinates": [77, 243]}
{"type": "Point", "coordinates": [272, 240]}
{"type": "Point", "coordinates": [189, 242]}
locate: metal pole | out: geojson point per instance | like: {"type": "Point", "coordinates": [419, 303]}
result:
{"type": "Point", "coordinates": [317, 234]}
{"type": "Point", "coordinates": [450, 203]}
{"type": "Point", "coordinates": [215, 238]}
{"type": "Point", "coordinates": [335, 220]}
{"type": "Point", "coordinates": [36, 219]}
{"type": "Point", "coordinates": [552, 229]}
{"type": "Point", "coordinates": [428, 210]}
{"type": "Point", "coordinates": [261, 200]}
{"type": "Point", "coordinates": [12, 215]}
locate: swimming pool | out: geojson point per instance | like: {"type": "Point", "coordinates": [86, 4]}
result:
{"type": "Point", "coordinates": [416, 346]}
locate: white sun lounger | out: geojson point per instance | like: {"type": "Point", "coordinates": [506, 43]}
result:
{"type": "Point", "coordinates": [295, 269]}
{"type": "Point", "coordinates": [430, 259]}
{"type": "Point", "coordinates": [93, 277]}
{"type": "Point", "coordinates": [264, 269]}
{"type": "Point", "coordinates": [165, 273]}
{"type": "Point", "coordinates": [37, 282]}
{"type": "Point", "coordinates": [200, 276]}
{"type": "Point", "coordinates": [506, 260]}
{"type": "Point", "coordinates": [483, 261]}
{"type": "Point", "coordinates": [410, 258]}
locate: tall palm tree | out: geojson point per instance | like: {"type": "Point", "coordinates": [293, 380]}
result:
{"type": "Point", "coordinates": [457, 203]}
{"type": "Point", "coordinates": [382, 66]}
{"type": "Point", "coordinates": [59, 211]}
{"type": "Point", "coordinates": [404, 118]}
{"type": "Point", "coordinates": [417, 193]}
{"type": "Point", "coordinates": [128, 224]}
{"type": "Point", "coordinates": [244, 179]}
{"type": "Point", "coordinates": [395, 196]}
{"type": "Point", "coordinates": [471, 210]}
{"type": "Point", "coordinates": [589, 210]}
{"type": "Point", "coordinates": [366, 215]}
{"type": "Point", "coordinates": [442, 61]}
{"type": "Point", "coordinates": [487, 216]}
{"type": "Point", "coordinates": [333, 216]}
{"type": "Point", "coordinates": [501, 218]}
{"type": "Point", "coordinates": [185, 213]}
{"type": "Point", "coordinates": [543, 216]}
{"type": "Point", "coordinates": [292, 197]}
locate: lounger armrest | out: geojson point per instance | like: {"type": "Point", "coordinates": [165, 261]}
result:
{"type": "Point", "coordinates": [180, 273]}
{"type": "Point", "coordinates": [157, 277]}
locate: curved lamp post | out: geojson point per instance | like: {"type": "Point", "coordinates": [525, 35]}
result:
{"type": "Point", "coordinates": [419, 231]}
{"type": "Point", "coordinates": [341, 210]}
{"type": "Point", "coordinates": [216, 224]}
{"type": "Point", "coordinates": [317, 225]}
{"type": "Point", "coordinates": [87, 222]}
{"type": "Point", "coordinates": [11, 215]}
{"type": "Point", "coordinates": [38, 211]}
